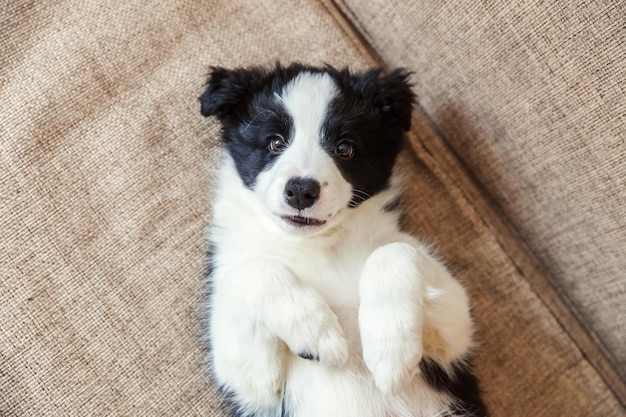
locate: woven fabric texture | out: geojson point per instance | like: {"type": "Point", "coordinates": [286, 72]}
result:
{"type": "Point", "coordinates": [531, 96]}
{"type": "Point", "coordinates": [106, 168]}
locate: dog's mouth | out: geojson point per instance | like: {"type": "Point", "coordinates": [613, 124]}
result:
{"type": "Point", "coordinates": [300, 221]}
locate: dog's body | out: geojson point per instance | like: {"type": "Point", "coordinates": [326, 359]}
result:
{"type": "Point", "coordinates": [319, 304]}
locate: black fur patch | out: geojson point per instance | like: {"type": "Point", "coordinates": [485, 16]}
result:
{"type": "Point", "coordinates": [244, 102]}
{"type": "Point", "coordinates": [372, 112]}
{"type": "Point", "coordinates": [461, 384]}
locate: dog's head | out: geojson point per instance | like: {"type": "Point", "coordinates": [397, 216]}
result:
{"type": "Point", "coordinates": [311, 143]}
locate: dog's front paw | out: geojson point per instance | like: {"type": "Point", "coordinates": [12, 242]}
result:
{"type": "Point", "coordinates": [393, 361]}
{"type": "Point", "coordinates": [391, 316]}
{"type": "Point", "coordinates": [315, 333]}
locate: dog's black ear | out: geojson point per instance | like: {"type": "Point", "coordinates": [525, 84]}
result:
{"type": "Point", "coordinates": [391, 93]}
{"type": "Point", "coordinates": [397, 98]}
{"type": "Point", "coordinates": [226, 89]}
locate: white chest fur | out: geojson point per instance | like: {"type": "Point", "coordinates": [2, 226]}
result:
{"type": "Point", "coordinates": [279, 297]}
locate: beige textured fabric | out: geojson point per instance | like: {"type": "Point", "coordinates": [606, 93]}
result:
{"type": "Point", "coordinates": [105, 170]}
{"type": "Point", "coordinates": [532, 96]}
{"type": "Point", "coordinates": [105, 164]}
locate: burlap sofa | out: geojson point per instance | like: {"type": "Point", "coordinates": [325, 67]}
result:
{"type": "Point", "coordinates": [515, 166]}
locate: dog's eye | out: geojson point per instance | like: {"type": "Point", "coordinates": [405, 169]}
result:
{"type": "Point", "coordinates": [344, 150]}
{"type": "Point", "coordinates": [277, 143]}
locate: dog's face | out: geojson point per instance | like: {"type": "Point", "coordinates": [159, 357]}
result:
{"type": "Point", "coordinates": [311, 143]}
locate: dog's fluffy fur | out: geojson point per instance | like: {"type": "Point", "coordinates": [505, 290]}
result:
{"type": "Point", "coordinates": [318, 304]}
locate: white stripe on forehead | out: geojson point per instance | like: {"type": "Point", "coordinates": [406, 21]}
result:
{"type": "Point", "coordinates": [306, 98]}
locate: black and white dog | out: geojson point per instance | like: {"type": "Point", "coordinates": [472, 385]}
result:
{"type": "Point", "coordinates": [319, 305]}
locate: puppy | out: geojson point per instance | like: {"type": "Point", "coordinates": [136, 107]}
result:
{"type": "Point", "coordinates": [318, 304]}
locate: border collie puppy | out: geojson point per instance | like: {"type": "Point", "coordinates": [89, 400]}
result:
{"type": "Point", "coordinates": [319, 305]}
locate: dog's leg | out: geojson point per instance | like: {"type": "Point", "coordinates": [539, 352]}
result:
{"type": "Point", "coordinates": [408, 302]}
{"type": "Point", "coordinates": [448, 325]}
{"type": "Point", "coordinates": [391, 316]}
{"type": "Point", "coordinates": [248, 362]}
{"type": "Point", "coordinates": [257, 305]}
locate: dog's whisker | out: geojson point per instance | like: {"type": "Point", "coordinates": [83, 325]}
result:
{"type": "Point", "coordinates": [361, 194]}
{"type": "Point", "coordinates": [360, 191]}
{"type": "Point", "coordinates": [249, 123]}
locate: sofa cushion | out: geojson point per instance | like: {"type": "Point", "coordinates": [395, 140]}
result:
{"type": "Point", "coordinates": [105, 174]}
{"type": "Point", "coordinates": [531, 98]}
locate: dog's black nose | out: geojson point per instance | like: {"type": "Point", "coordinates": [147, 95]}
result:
{"type": "Point", "coordinates": [301, 193]}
